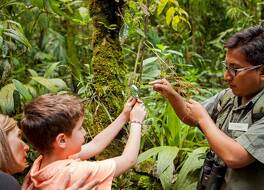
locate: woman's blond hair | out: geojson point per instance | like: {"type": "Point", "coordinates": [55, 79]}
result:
{"type": "Point", "coordinates": [7, 160]}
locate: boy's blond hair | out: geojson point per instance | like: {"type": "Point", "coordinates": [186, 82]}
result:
{"type": "Point", "coordinates": [8, 163]}
{"type": "Point", "coordinates": [47, 116]}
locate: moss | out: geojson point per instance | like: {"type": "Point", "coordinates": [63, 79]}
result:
{"type": "Point", "coordinates": [107, 63]}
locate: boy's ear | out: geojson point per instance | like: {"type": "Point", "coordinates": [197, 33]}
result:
{"type": "Point", "coordinates": [61, 140]}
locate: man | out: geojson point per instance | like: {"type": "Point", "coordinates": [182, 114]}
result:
{"type": "Point", "coordinates": [232, 121]}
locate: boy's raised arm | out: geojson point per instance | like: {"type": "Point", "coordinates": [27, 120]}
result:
{"type": "Point", "coordinates": [104, 138]}
{"type": "Point", "coordinates": [130, 153]}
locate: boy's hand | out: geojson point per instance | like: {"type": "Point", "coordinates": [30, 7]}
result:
{"type": "Point", "coordinates": [128, 107]}
{"type": "Point", "coordinates": [163, 87]}
{"type": "Point", "coordinates": [196, 111]}
{"type": "Point", "coordinates": [138, 112]}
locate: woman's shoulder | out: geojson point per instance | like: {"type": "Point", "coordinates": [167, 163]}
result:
{"type": "Point", "coordinates": [8, 182]}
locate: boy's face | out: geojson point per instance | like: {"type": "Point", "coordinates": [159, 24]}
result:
{"type": "Point", "coordinates": [76, 140]}
{"type": "Point", "coordinates": [19, 149]}
{"type": "Point", "coordinates": [247, 83]}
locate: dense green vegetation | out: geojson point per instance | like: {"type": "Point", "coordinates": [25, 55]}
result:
{"type": "Point", "coordinates": [99, 48]}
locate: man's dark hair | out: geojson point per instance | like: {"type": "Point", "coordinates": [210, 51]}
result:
{"type": "Point", "coordinates": [251, 42]}
{"type": "Point", "coordinates": [47, 116]}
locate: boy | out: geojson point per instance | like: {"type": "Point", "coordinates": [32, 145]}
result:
{"type": "Point", "coordinates": [233, 120]}
{"type": "Point", "coordinates": [53, 125]}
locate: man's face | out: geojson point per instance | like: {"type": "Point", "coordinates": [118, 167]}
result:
{"type": "Point", "coordinates": [245, 83]}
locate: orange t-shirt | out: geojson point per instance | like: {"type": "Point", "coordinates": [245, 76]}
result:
{"type": "Point", "coordinates": [50, 176]}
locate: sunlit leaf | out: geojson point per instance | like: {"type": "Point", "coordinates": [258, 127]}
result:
{"type": "Point", "coordinates": [175, 22]}
{"type": "Point", "coordinates": [149, 153]}
{"type": "Point", "coordinates": [166, 157]}
{"type": "Point", "coordinates": [7, 99]}
{"type": "Point", "coordinates": [161, 6]}
{"type": "Point", "coordinates": [149, 60]}
{"type": "Point", "coordinates": [169, 15]}
{"type": "Point", "coordinates": [45, 83]}
{"type": "Point", "coordinates": [23, 91]}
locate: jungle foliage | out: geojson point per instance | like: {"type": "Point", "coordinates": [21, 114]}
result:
{"type": "Point", "coordinates": [98, 49]}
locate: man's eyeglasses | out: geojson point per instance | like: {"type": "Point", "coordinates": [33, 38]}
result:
{"type": "Point", "coordinates": [234, 71]}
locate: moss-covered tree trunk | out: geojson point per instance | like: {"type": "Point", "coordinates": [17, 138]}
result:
{"type": "Point", "coordinates": [107, 64]}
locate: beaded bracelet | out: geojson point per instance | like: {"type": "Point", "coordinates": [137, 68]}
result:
{"type": "Point", "coordinates": [134, 121]}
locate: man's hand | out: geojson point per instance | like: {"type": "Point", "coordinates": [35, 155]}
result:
{"type": "Point", "coordinates": [163, 87]}
{"type": "Point", "coordinates": [196, 111]}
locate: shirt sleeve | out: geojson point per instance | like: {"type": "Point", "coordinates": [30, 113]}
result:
{"type": "Point", "coordinates": [253, 139]}
{"type": "Point", "coordinates": [102, 171]}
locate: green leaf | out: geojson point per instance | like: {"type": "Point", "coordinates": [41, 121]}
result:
{"type": "Point", "coordinates": [149, 60]}
{"type": "Point", "coordinates": [7, 99]}
{"type": "Point", "coordinates": [166, 177]}
{"type": "Point", "coordinates": [169, 15]}
{"type": "Point", "coordinates": [33, 73]}
{"type": "Point", "coordinates": [182, 12]}
{"type": "Point", "coordinates": [17, 36]}
{"type": "Point", "coordinates": [149, 153]}
{"type": "Point", "coordinates": [151, 69]}
{"type": "Point", "coordinates": [166, 157]}
{"type": "Point", "coordinates": [23, 91]}
{"type": "Point", "coordinates": [51, 69]}
{"type": "Point", "coordinates": [46, 83]}
{"type": "Point", "coordinates": [84, 13]}
{"type": "Point", "coordinates": [38, 3]}
{"type": "Point", "coordinates": [161, 6]}
{"type": "Point", "coordinates": [188, 175]}
{"type": "Point", "coordinates": [59, 83]}
{"type": "Point", "coordinates": [175, 22]}
{"type": "Point", "coordinates": [175, 52]}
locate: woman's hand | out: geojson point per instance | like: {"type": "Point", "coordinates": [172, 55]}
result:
{"type": "Point", "coordinates": [163, 87]}
{"type": "Point", "coordinates": [196, 111]}
{"type": "Point", "coordinates": [128, 107]}
{"type": "Point", "coordinates": [138, 112]}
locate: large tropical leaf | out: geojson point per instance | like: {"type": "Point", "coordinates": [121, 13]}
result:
{"type": "Point", "coordinates": [165, 165]}
{"type": "Point", "coordinates": [166, 177]}
{"type": "Point", "coordinates": [149, 153]}
{"type": "Point", "coordinates": [166, 157]}
{"type": "Point", "coordinates": [188, 175]}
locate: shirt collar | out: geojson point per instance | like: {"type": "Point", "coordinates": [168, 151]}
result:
{"type": "Point", "coordinates": [250, 103]}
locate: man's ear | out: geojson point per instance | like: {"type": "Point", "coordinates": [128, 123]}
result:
{"type": "Point", "coordinates": [61, 140]}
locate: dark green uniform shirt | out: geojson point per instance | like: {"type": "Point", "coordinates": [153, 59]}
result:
{"type": "Point", "coordinates": [236, 121]}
